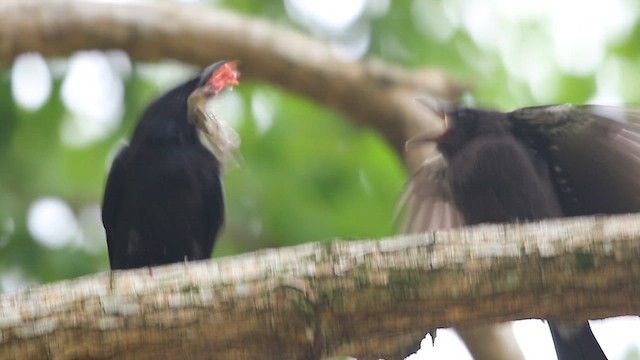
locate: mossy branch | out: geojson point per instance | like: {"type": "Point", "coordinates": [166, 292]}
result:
{"type": "Point", "coordinates": [368, 299]}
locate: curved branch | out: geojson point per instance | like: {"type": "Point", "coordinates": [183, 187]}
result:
{"type": "Point", "coordinates": [370, 93]}
{"type": "Point", "coordinates": [369, 299]}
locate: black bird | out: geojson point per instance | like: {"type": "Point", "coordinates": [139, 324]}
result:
{"type": "Point", "coordinates": [163, 202]}
{"type": "Point", "coordinates": [530, 164]}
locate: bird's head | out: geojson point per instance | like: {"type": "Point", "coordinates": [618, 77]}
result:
{"type": "Point", "coordinates": [214, 134]}
{"type": "Point", "coordinates": [460, 126]}
{"type": "Point", "coordinates": [447, 113]}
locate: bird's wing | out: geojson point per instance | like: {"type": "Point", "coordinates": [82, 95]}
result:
{"type": "Point", "coordinates": [427, 199]}
{"type": "Point", "coordinates": [428, 205]}
{"type": "Point", "coordinates": [594, 157]}
{"type": "Point", "coordinates": [593, 154]}
{"type": "Point", "coordinates": [111, 202]}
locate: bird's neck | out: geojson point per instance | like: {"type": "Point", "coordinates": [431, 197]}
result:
{"type": "Point", "coordinates": [165, 122]}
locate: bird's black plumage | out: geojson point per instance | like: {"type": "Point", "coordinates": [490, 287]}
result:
{"type": "Point", "coordinates": [163, 200]}
{"type": "Point", "coordinates": [533, 163]}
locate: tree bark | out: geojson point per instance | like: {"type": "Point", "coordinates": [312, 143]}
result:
{"type": "Point", "coordinates": [369, 299]}
{"type": "Point", "coordinates": [371, 93]}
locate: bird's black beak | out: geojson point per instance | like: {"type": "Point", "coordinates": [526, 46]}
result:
{"type": "Point", "coordinates": [440, 109]}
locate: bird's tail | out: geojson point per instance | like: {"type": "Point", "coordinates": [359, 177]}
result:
{"type": "Point", "coordinates": [575, 342]}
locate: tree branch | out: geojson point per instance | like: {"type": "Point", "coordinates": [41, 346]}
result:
{"type": "Point", "coordinates": [366, 299]}
{"type": "Point", "coordinates": [370, 93]}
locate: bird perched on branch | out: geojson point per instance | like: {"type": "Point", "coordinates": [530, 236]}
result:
{"type": "Point", "coordinates": [163, 201]}
{"type": "Point", "coordinates": [529, 164]}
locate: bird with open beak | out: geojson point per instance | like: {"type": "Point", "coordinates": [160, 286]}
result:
{"type": "Point", "coordinates": [163, 201]}
{"type": "Point", "coordinates": [530, 164]}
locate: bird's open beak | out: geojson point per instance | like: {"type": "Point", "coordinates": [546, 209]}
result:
{"type": "Point", "coordinates": [435, 133]}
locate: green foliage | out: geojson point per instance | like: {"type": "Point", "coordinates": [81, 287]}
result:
{"type": "Point", "coordinates": [311, 176]}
